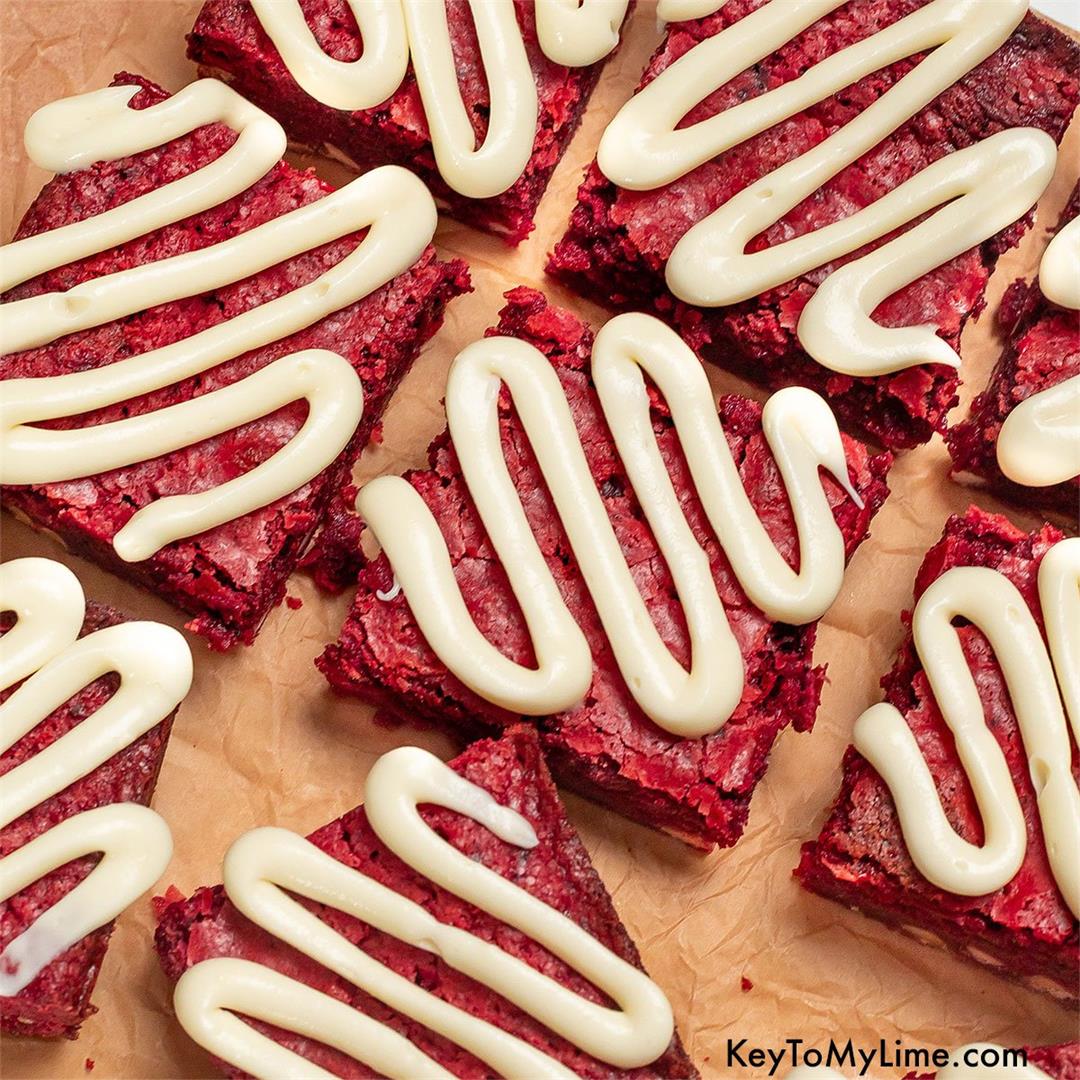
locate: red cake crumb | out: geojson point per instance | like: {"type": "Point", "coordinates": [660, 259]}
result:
{"type": "Point", "coordinates": [58, 1000]}
{"type": "Point", "coordinates": [1058, 1062]}
{"type": "Point", "coordinates": [745, 985]}
{"type": "Point", "coordinates": [1043, 350]}
{"type": "Point", "coordinates": [557, 871]}
{"type": "Point", "coordinates": [606, 748]}
{"type": "Point", "coordinates": [293, 603]}
{"type": "Point", "coordinates": [88, 1064]}
{"type": "Point", "coordinates": [618, 241]}
{"type": "Point", "coordinates": [229, 42]}
{"type": "Point", "coordinates": [1024, 930]}
{"type": "Point", "coordinates": [229, 577]}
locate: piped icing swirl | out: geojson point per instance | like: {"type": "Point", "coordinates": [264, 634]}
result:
{"type": "Point", "coordinates": [803, 436]}
{"type": "Point", "coordinates": [969, 195]}
{"type": "Point", "coordinates": [266, 868]}
{"type": "Point", "coordinates": [44, 648]}
{"type": "Point", "coordinates": [570, 33]}
{"type": "Point", "coordinates": [1039, 442]}
{"type": "Point", "coordinates": [1043, 680]}
{"type": "Point", "coordinates": [391, 203]}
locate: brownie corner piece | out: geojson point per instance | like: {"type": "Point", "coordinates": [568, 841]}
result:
{"type": "Point", "coordinates": [557, 871]}
{"type": "Point", "coordinates": [1024, 930]}
{"type": "Point", "coordinates": [606, 748]}
{"type": "Point", "coordinates": [228, 42]}
{"type": "Point", "coordinates": [229, 577]}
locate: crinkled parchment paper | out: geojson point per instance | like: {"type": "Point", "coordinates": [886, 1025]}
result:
{"type": "Point", "coordinates": [261, 740]}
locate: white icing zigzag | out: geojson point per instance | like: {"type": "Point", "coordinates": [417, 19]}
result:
{"type": "Point", "coordinates": [974, 192]}
{"type": "Point", "coordinates": [44, 648]}
{"type": "Point", "coordinates": [391, 203]}
{"type": "Point", "coordinates": [802, 434]}
{"type": "Point", "coordinates": [265, 868]}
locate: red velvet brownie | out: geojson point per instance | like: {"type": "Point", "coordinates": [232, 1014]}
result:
{"type": "Point", "coordinates": [230, 576]}
{"type": "Point", "coordinates": [618, 241]}
{"type": "Point", "coordinates": [606, 748]}
{"type": "Point", "coordinates": [228, 41]}
{"type": "Point", "coordinates": [58, 1000]}
{"type": "Point", "coordinates": [1043, 350]}
{"type": "Point", "coordinates": [1025, 929]}
{"type": "Point", "coordinates": [557, 871]}
{"type": "Point", "coordinates": [1058, 1062]}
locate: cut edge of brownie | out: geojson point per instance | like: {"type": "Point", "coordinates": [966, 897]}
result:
{"type": "Point", "coordinates": [558, 871]}
{"type": "Point", "coordinates": [224, 612]}
{"type": "Point", "coordinates": [598, 258]}
{"type": "Point", "coordinates": [709, 814]}
{"type": "Point", "coordinates": [834, 869]}
{"type": "Point", "coordinates": [57, 1002]}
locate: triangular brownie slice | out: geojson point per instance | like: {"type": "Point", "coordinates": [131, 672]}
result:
{"type": "Point", "coordinates": [556, 871]}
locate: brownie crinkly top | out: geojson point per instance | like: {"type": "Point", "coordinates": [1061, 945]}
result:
{"type": "Point", "coordinates": [393, 31]}
{"type": "Point", "coordinates": [44, 648]}
{"type": "Point", "coordinates": [1039, 443]}
{"type": "Point", "coordinates": [802, 434]}
{"type": "Point", "coordinates": [391, 203]}
{"type": "Point", "coordinates": [265, 868]}
{"type": "Point", "coordinates": [986, 186]}
{"type": "Point", "coordinates": [1038, 680]}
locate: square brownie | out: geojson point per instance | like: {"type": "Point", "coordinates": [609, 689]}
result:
{"type": "Point", "coordinates": [605, 748]}
{"type": "Point", "coordinates": [1024, 930]}
{"type": "Point", "coordinates": [1043, 349]}
{"type": "Point", "coordinates": [556, 871]}
{"type": "Point", "coordinates": [57, 1001]}
{"type": "Point", "coordinates": [229, 577]}
{"type": "Point", "coordinates": [229, 42]}
{"type": "Point", "coordinates": [618, 241]}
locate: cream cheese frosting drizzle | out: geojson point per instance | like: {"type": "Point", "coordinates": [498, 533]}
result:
{"type": "Point", "coordinates": [391, 203]}
{"type": "Point", "coordinates": [1039, 442]}
{"type": "Point", "coordinates": [802, 434]}
{"type": "Point", "coordinates": [266, 862]}
{"type": "Point", "coordinates": [571, 33]}
{"type": "Point", "coordinates": [989, 601]}
{"type": "Point", "coordinates": [973, 193]}
{"type": "Point", "coordinates": [43, 647]}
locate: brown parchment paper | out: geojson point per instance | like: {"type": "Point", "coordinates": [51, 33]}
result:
{"type": "Point", "coordinates": [260, 740]}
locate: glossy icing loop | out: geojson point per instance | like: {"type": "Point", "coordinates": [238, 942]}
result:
{"type": "Point", "coordinates": [342, 84]}
{"type": "Point", "coordinates": [391, 203]}
{"type": "Point", "coordinates": [995, 606]}
{"type": "Point", "coordinates": [1059, 271]}
{"type": "Point", "coordinates": [985, 187]}
{"type": "Point", "coordinates": [1039, 442]}
{"type": "Point", "coordinates": [579, 32]}
{"type": "Point", "coordinates": [267, 867]}
{"type": "Point", "coordinates": [571, 33]}
{"type": "Point", "coordinates": [477, 172]}
{"type": "Point", "coordinates": [802, 434]}
{"type": "Point", "coordinates": [43, 647]}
